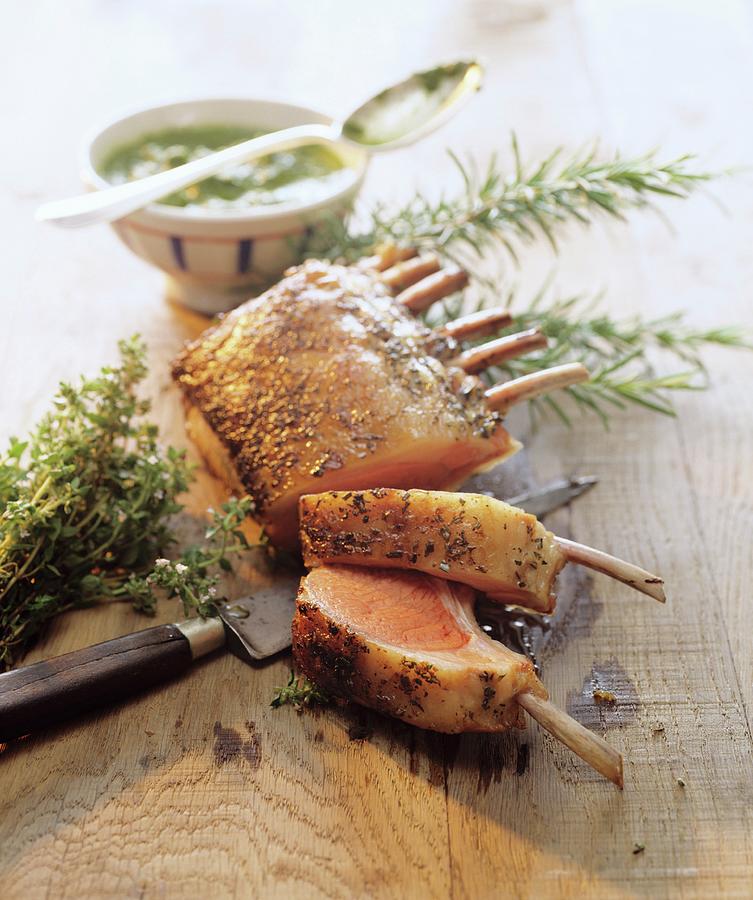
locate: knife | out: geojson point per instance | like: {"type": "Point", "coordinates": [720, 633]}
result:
{"type": "Point", "coordinates": [254, 627]}
{"type": "Point", "coordinates": [557, 493]}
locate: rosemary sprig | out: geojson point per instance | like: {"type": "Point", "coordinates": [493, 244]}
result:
{"type": "Point", "coordinates": [494, 208]}
{"type": "Point", "coordinates": [300, 693]}
{"type": "Point", "coordinates": [620, 353]}
{"type": "Point", "coordinates": [577, 322]}
{"type": "Point", "coordinates": [86, 504]}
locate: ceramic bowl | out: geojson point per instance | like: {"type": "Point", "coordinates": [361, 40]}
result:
{"type": "Point", "coordinates": [216, 259]}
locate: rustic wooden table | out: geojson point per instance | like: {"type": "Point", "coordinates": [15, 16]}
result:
{"type": "Point", "coordinates": [201, 790]}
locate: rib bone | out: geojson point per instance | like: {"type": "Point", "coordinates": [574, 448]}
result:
{"type": "Point", "coordinates": [588, 746]}
{"type": "Point", "coordinates": [386, 257]}
{"type": "Point", "coordinates": [404, 274]}
{"type": "Point", "coordinates": [419, 297]}
{"type": "Point", "coordinates": [502, 396]}
{"type": "Point", "coordinates": [478, 324]}
{"type": "Point", "coordinates": [492, 353]}
{"type": "Point", "coordinates": [626, 572]}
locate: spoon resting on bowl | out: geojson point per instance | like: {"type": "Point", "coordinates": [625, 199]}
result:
{"type": "Point", "coordinates": [396, 117]}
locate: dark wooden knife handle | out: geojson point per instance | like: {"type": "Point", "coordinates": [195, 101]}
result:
{"type": "Point", "coordinates": [52, 691]}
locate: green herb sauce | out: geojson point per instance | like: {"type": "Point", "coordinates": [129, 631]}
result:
{"type": "Point", "coordinates": [304, 175]}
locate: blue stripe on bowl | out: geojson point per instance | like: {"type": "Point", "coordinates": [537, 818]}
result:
{"type": "Point", "coordinates": [177, 245]}
{"type": "Point", "coordinates": [245, 248]}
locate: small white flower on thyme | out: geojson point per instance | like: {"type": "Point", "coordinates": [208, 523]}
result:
{"type": "Point", "coordinates": [212, 591]}
{"type": "Point", "coordinates": [152, 460]}
{"type": "Point", "coordinates": [161, 563]}
{"type": "Point", "coordinates": [181, 569]}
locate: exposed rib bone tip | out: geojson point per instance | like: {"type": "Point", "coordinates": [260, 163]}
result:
{"type": "Point", "coordinates": [478, 324]}
{"type": "Point", "coordinates": [420, 296]}
{"type": "Point", "coordinates": [584, 743]}
{"type": "Point", "coordinates": [494, 352]}
{"type": "Point", "coordinates": [404, 274]}
{"type": "Point", "coordinates": [502, 396]}
{"type": "Point", "coordinates": [387, 256]}
{"type": "Point", "coordinates": [628, 573]}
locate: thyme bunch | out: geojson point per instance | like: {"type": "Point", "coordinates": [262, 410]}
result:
{"type": "Point", "coordinates": [86, 504]}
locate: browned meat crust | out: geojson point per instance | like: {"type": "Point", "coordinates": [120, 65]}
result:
{"type": "Point", "coordinates": [325, 381]}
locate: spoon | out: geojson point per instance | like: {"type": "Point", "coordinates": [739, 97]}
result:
{"type": "Point", "coordinates": [396, 117]}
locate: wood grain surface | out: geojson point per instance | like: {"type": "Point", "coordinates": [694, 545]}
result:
{"type": "Point", "coordinates": [200, 789]}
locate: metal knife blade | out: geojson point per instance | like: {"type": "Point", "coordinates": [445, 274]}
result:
{"type": "Point", "coordinates": [551, 496]}
{"type": "Point", "coordinates": [258, 625]}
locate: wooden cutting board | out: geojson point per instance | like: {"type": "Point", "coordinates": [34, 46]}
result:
{"type": "Point", "coordinates": [201, 789]}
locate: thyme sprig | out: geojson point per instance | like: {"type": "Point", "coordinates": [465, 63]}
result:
{"type": "Point", "coordinates": [496, 209]}
{"type": "Point", "coordinates": [193, 577]}
{"type": "Point", "coordinates": [300, 693]}
{"type": "Point", "coordinates": [86, 507]}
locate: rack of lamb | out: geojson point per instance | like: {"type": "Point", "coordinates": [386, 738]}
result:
{"type": "Point", "coordinates": [328, 381]}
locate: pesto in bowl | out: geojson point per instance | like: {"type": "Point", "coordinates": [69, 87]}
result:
{"type": "Point", "coordinates": [305, 175]}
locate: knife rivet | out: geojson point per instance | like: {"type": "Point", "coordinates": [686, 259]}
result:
{"type": "Point", "coordinates": [237, 612]}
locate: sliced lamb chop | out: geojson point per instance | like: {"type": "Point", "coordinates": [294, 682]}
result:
{"type": "Point", "coordinates": [469, 538]}
{"type": "Point", "coordinates": [408, 645]}
{"type": "Point", "coordinates": [325, 382]}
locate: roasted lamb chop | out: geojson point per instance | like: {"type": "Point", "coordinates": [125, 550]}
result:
{"type": "Point", "coordinates": [407, 644]}
{"type": "Point", "coordinates": [468, 538]}
{"type": "Point", "coordinates": [328, 382]}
